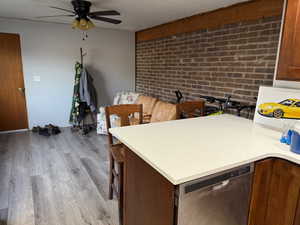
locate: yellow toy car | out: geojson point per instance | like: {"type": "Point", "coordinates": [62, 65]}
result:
{"type": "Point", "coordinates": [289, 108]}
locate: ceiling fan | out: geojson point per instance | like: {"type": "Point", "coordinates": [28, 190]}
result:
{"type": "Point", "coordinates": [83, 16]}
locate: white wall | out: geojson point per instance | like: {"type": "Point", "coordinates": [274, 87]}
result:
{"type": "Point", "coordinates": [51, 50]}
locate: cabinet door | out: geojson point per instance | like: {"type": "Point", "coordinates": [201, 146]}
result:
{"type": "Point", "coordinates": [149, 198]}
{"type": "Point", "coordinates": [289, 59]}
{"type": "Point", "coordinates": [284, 194]}
{"type": "Point", "coordinates": [260, 192]}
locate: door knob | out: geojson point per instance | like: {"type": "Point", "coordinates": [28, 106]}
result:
{"type": "Point", "coordinates": [22, 90]}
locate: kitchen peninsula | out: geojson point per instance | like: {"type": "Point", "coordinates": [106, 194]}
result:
{"type": "Point", "coordinates": [162, 156]}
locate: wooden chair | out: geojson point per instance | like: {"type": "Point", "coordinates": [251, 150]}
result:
{"type": "Point", "coordinates": [117, 150]}
{"type": "Point", "coordinates": [189, 109]}
{"type": "Point", "coordinates": [163, 111]}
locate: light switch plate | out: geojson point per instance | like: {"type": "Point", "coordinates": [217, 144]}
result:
{"type": "Point", "coordinates": [36, 78]}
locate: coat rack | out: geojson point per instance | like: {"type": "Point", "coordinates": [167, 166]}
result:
{"type": "Point", "coordinates": [84, 127]}
{"type": "Point", "coordinates": [81, 57]}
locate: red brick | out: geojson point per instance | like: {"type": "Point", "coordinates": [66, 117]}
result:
{"type": "Point", "coordinates": [234, 59]}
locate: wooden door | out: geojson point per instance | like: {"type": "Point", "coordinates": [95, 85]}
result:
{"type": "Point", "coordinates": [13, 113]}
{"type": "Point", "coordinates": [289, 58]}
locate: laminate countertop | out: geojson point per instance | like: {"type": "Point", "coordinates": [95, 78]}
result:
{"type": "Point", "coordinates": [184, 150]}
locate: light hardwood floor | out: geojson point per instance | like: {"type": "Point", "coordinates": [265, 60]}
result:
{"type": "Point", "coordinates": [57, 180]}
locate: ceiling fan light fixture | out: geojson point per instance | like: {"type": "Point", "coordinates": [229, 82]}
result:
{"type": "Point", "coordinates": [83, 22]}
{"type": "Point", "coordinates": [83, 15]}
{"type": "Point", "coordinates": [90, 24]}
{"type": "Point", "coordinates": [75, 23]}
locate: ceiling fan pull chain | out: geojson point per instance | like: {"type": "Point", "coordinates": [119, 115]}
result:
{"type": "Point", "coordinates": [84, 35]}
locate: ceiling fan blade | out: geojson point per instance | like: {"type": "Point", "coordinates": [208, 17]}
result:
{"type": "Point", "coordinates": [66, 10]}
{"type": "Point", "coordinates": [55, 16]}
{"type": "Point", "coordinates": [105, 13]}
{"type": "Point", "coordinates": [109, 20]}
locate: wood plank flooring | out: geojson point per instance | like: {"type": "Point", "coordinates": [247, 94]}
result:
{"type": "Point", "coordinates": [57, 180]}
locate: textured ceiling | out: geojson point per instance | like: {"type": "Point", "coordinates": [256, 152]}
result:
{"type": "Point", "coordinates": [135, 14]}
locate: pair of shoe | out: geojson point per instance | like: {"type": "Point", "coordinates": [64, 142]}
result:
{"type": "Point", "coordinates": [47, 130]}
{"type": "Point", "coordinates": [53, 130]}
{"type": "Point", "coordinates": [44, 132]}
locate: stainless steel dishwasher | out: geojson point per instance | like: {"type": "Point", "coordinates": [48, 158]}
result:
{"type": "Point", "coordinates": [220, 199]}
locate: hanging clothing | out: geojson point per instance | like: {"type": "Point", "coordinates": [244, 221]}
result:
{"type": "Point", "coordinates": [87, 91]}
{"type": "Point", "coordinates": [76, 96]}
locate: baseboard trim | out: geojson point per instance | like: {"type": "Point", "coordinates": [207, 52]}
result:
{"type": "Point", "coordinates": [13, 131]}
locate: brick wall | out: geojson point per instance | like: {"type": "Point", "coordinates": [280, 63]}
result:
{"type": "Point", "coordinates": [234, 59]}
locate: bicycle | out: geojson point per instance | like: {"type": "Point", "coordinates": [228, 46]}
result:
{"type": "Point", "coordinates": [226, 104]}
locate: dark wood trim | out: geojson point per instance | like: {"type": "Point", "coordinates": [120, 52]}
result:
{"type": "Point", "coordinates": [252, 10]}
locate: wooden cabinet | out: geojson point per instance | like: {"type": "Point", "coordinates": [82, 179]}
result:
{"type": "Point", "coordinates": [149, 198]}
{"type": "Point", "coordinates": [284, 193]}
{"type": "Point", "coordinates": [260, 192]}
{"type": "Point", "coordinates": [275, 194]}
{"type": "Point", "coordinates": [289, 58]}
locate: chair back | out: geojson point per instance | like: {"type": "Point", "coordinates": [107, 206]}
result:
{"type": "Point", "coordinates": [189, 109]}
{"type": "Point", "coordinates": [163, 111]}
{"type": "Point", "coordinates": [123, 112]}
{"type": "Point", "coordinates": [147, 102]}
